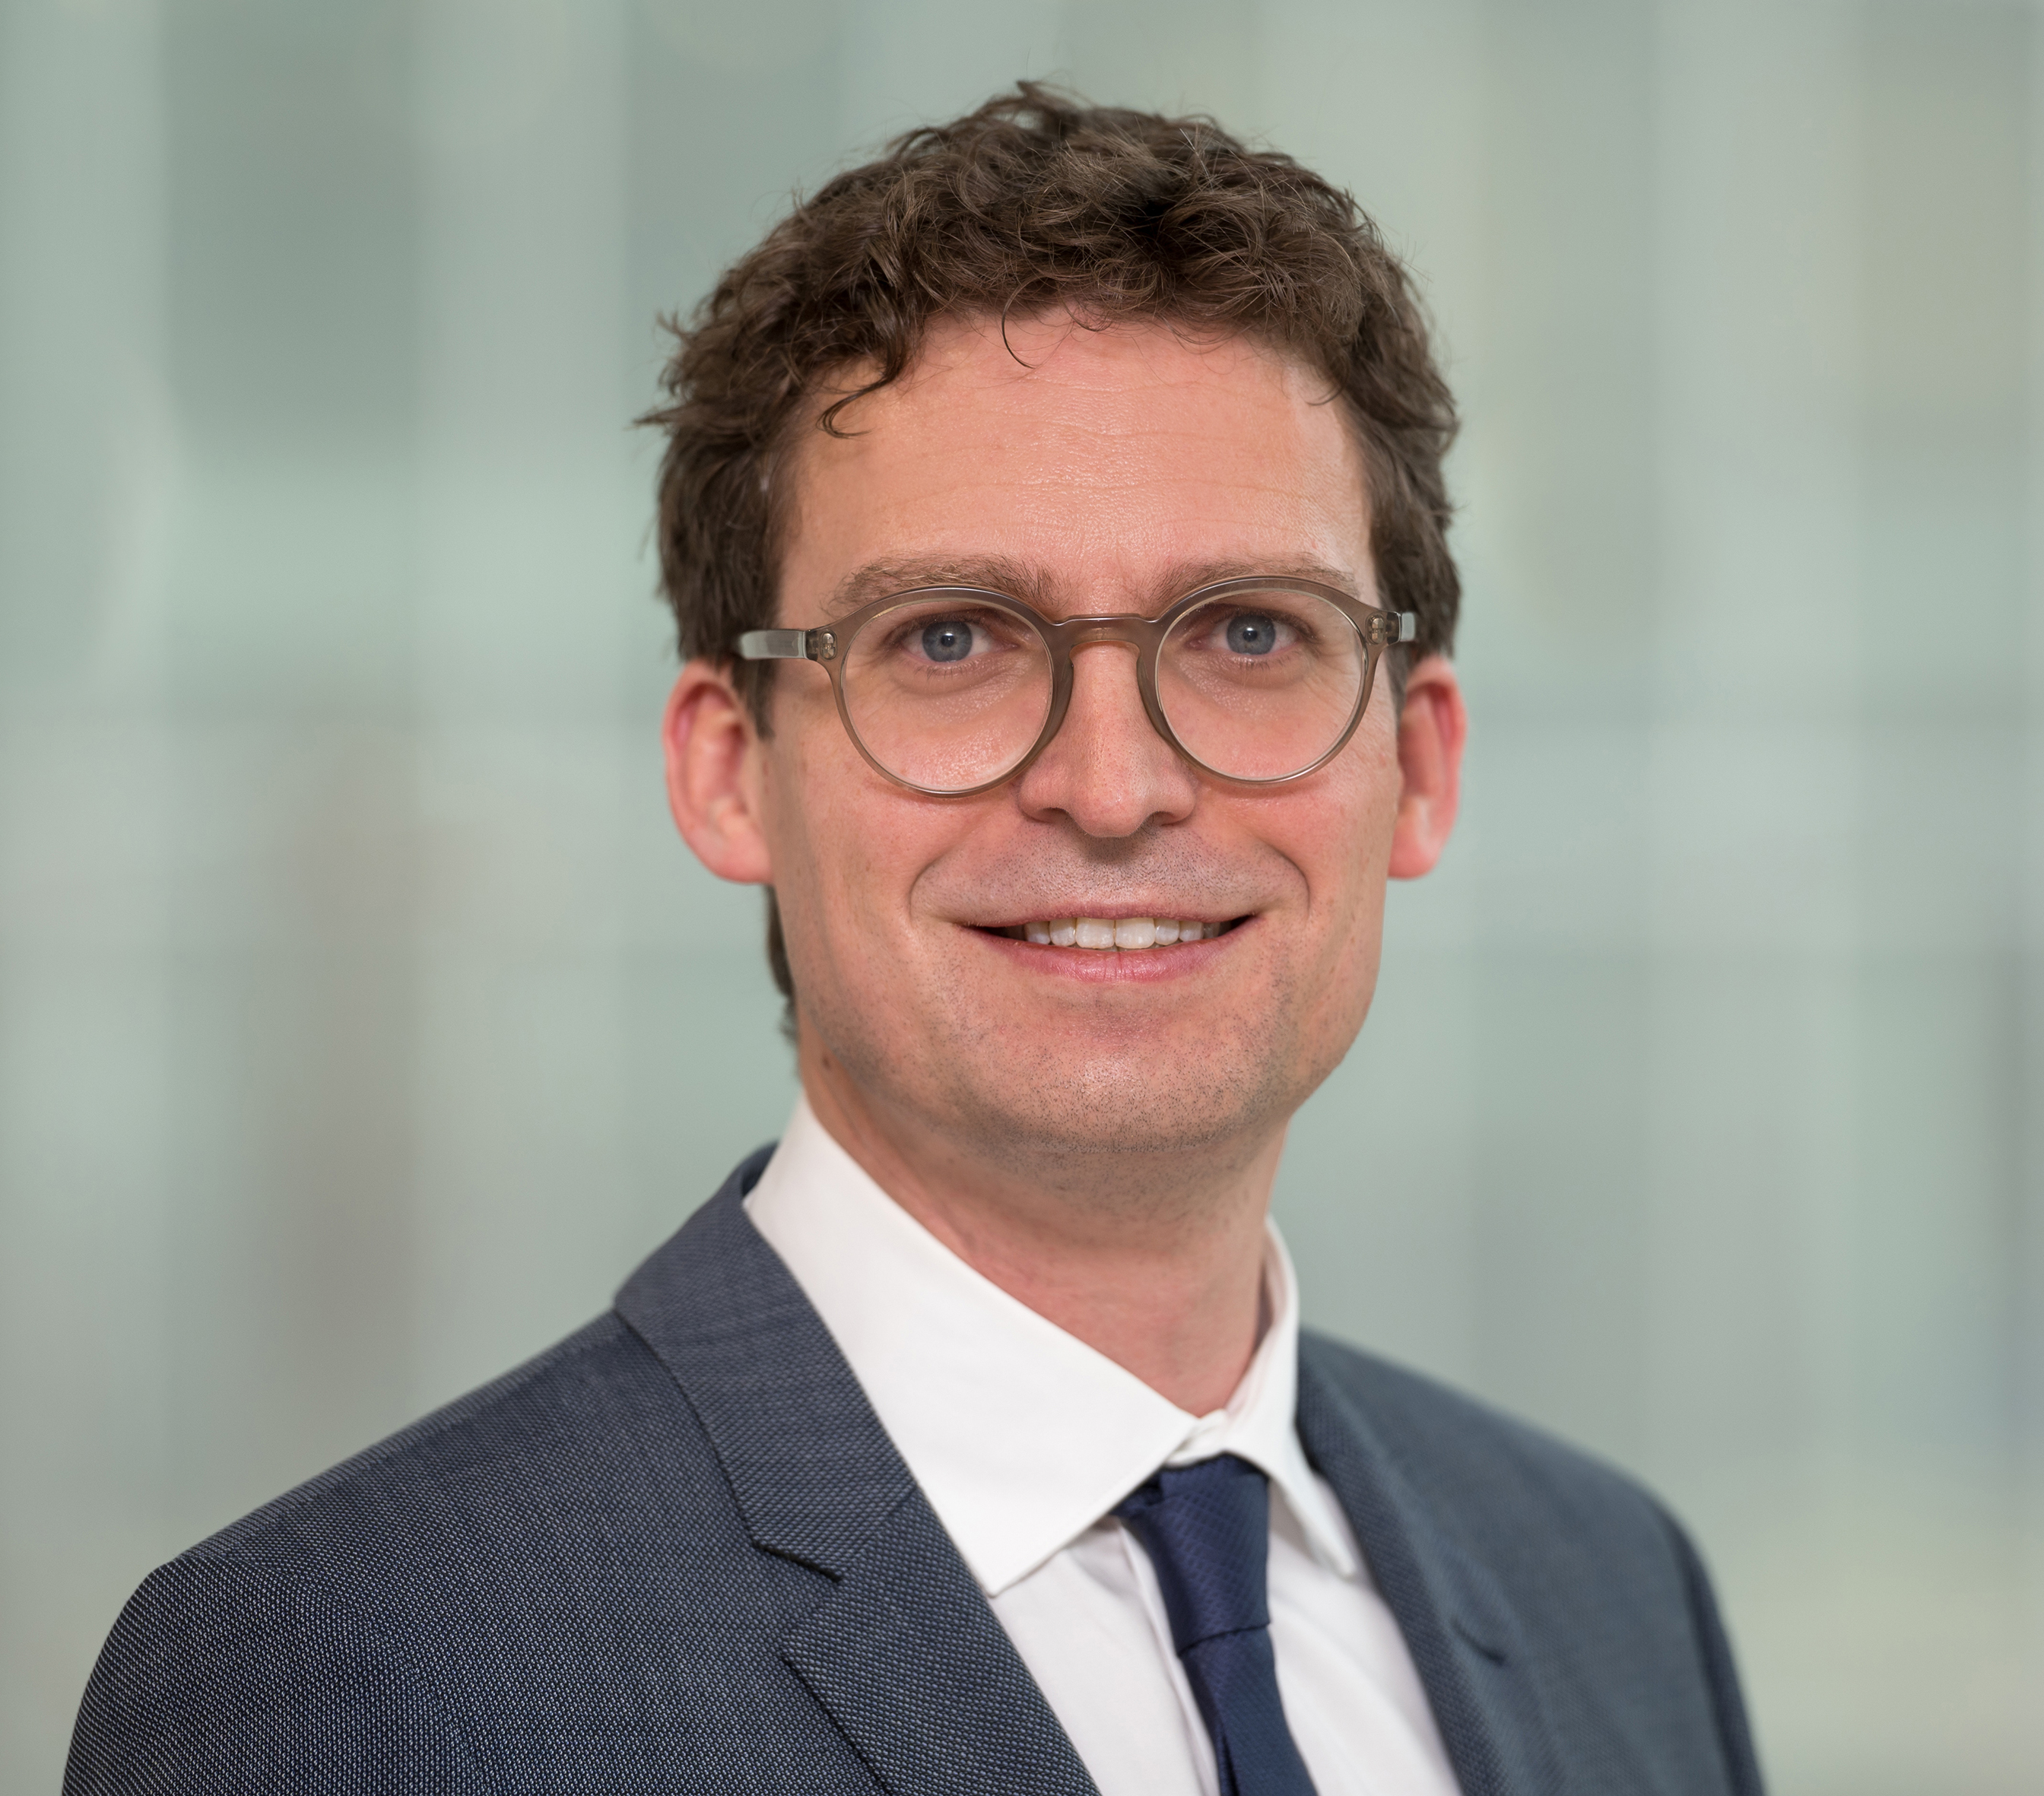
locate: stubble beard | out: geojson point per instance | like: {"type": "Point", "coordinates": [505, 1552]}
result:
{"type": "Point", "coordinates": [1124, 1129]}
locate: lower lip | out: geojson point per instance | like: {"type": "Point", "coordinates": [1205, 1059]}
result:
{"type": "Point", "coordinates": [1114, 966]}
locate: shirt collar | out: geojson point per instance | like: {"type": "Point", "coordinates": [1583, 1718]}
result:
{"type": "Point", "coordinates": [1020, 1435]}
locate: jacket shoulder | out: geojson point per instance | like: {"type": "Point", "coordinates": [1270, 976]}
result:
{"type": "Point", "coordinates": [221, 1677]}
{"type": "Point", "coordinates": [560, 1546]}
{"type": "Point", "coordinates": [277, 1655]}
{"type": "Point", "coordinates": [1442, 1436]}
{"type": "Point", "coordinates": [536, 1424]}
{"type": "Point", "coordinates": [1621, 1625]}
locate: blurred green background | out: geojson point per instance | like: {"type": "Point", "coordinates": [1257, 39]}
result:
{"type": "Point", "coordinates": [362, 1021]}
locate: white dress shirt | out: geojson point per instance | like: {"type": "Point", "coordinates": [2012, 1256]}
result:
{"type": "Point", "coordinates": [1024, 1439]}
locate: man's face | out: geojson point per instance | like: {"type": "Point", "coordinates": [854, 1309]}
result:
{"type": "Point", "coordinates": [1087, 471]}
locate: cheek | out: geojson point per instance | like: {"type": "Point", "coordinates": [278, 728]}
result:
{"type": "Point", "coordinates": [1347, 884]}
{"type": "Point", "coordinates": [847, 848]}
{"type": "Point", "coordinates": [1342, 838]}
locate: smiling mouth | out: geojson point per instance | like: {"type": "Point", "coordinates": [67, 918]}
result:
{"type": "Point", "coordinates": [1115, 933]}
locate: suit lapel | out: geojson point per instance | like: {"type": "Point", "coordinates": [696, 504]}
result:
{"type": "Point", "coordinates": [1464, 1636]}
{"type": "Point", "coordinates": [911, 1664]}
{"type": "Point", "coordinates": [902, 1652]}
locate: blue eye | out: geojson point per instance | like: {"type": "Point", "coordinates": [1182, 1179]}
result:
{"type": "Point", "coordinates": [1248, 634]}
{"type": "Point", "coordinates": [950, 640]}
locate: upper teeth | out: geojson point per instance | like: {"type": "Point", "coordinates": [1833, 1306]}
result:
{"type": "Point", "coordinates": [1117, 932]}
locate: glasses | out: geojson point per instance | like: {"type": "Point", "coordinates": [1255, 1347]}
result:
{"type": "Point", "coordinates": [951, 690]}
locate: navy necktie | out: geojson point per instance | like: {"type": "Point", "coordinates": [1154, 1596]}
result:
{"type": "Point", "coordinates": [1207, 1529]}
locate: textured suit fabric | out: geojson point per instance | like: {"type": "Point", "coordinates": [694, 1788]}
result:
{"type": "Point", "coordinates": [678, 1552]}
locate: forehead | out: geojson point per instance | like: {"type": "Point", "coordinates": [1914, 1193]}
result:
{"type": "Point", "coordinates": [1103, 466]}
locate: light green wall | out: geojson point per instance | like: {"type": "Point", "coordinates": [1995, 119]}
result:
{"type": "Point", "coordinates": [361, 1022]}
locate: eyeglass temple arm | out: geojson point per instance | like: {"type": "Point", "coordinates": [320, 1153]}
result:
{"type": "Point", "coordinates": [821, 645]}
{"type": "Point", "coordinates": [788, 645]}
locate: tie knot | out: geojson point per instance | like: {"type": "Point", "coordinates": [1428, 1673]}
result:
{"type": "Point", "coordinates": [1207, 1530]}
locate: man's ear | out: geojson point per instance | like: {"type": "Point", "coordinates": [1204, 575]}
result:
{"type": "Point", "coordinates": [1431, 729]}
{"type": "Point", "coordinates": [716, 774]}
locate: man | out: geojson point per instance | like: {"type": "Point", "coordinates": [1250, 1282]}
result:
{"type": "Point", "coordinates": [1053, 515]}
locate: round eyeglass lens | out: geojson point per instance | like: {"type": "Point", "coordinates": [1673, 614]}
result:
{"type": "Point", "coordinates": [948, 692]}
{"type": "Point", "coordinates": [1260, 685]}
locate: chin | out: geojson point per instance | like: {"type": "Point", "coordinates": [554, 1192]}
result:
{"type": "Point", "coordinates": [1113, 1087]}
{"type": "Point", "coordinates": [1094, 1106]}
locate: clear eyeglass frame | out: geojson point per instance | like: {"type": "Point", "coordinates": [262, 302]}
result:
{"type": "Point", "coordinates": [829, 646]}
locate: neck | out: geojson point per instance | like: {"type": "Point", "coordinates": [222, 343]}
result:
{"type": "Point", "coordinates": [1157, 1265]}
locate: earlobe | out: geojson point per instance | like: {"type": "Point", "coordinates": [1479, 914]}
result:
{"type": "Point", "coordinates": [713, 755]}
{"type": "Point", "coordinates": [1432, 730]}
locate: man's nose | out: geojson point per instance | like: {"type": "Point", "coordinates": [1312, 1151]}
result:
{"type": "Point", "coordinates": [1107, 768]}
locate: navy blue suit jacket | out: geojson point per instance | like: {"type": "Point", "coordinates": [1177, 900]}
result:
{"type": "Point", "coordinates": [678, 1552]}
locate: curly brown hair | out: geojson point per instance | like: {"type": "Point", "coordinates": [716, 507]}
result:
{"type": "Point", "coordinates": [1034, 202]}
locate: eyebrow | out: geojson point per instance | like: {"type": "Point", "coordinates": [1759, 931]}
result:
{"type": "Point", "coordinates": [882, 579]}
{"type": "Point", "coordinates": [1036, 586]}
